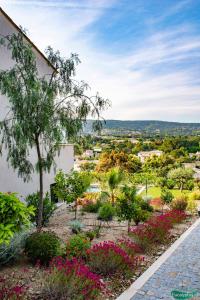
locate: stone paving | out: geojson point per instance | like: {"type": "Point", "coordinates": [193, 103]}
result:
{"type": "Point", "coordinates": [181, 271]}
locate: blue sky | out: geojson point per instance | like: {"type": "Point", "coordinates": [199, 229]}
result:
{"type": "Point", "coordinates": [144, 55]}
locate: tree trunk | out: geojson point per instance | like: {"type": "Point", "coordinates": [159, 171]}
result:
{"type": "Point", "coordinates": [75, 209]}
{"type": "Point", "coordinates": [112, 198]}
{"type": "Point", "coordinates": [40, 204]}
{"type": "Point", "coordinates": [128, 226]}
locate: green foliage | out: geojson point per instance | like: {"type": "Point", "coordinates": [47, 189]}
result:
{"type": "Point", "coordinates": [77, 246]}
{"type": "Point", "coordinates": [180, 203]}
{"type": "Point", "coordinates": [14, 215]}
{"type": "Point", "coordinates": [131, 207]}
{"type": "Point", "coordinates": [88, 166]}
{"type": "Point", "coordinates": [12, 251]}
{"type": "Point", "coordinates": [106, 212]}
{"type": "Point", "coordinates": [71, 186]}
{"type": "Point", "coordinates": [42, 246]}
{"type": "Point", "coordinates": [48, 207]}
{"type": "Point", "coordinates": [181, 176]}
{"type": "Point", "coordinates": [166, 196]}
{"type": "Point", "coordinates": [76, 226]}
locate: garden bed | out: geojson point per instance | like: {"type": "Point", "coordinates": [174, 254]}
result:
{"type": "Point", "coordinates": [23, 273]}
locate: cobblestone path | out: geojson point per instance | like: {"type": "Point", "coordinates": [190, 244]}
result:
{"type": "Point", "coordinates": [181, 271]}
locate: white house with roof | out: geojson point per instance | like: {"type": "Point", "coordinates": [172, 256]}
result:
{"type": "Point", "coordinates": [9, 180]}
{"type": "Point", "coordinates": [143, 155]}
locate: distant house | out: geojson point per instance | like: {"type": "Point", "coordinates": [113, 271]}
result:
{"type": "Point", "coordinates": [88, 153]}
{"type": "Point", "coordinates": [97, 151]}
{"type": "Point", "coordinates": [9, 180]}
{"type": "Point", "coordinates": [143, 155]}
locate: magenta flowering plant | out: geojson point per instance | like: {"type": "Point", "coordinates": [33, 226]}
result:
{"type": "Point", "coordinates": [129, 246]}
{"type": "Point", "coordinates": [11, 292]}
{"type": "Point", "coordinates": [71, 279]}
{"type": "Point", "coordinates": [107, 258]}
{"type": "Point", "coordinates": [157, 228]}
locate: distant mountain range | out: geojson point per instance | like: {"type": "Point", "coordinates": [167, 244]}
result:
{"type": "Point", "coordinates": [148, 126]}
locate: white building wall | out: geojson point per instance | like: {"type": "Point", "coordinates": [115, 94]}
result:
{"type": "Point", "coordinates": [9, 179]}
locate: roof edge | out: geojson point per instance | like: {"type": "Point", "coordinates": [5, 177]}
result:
{"type": "Point", "coordinates": [27, 38]}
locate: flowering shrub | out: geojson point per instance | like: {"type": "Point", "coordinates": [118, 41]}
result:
{"type": "Point", "coordinates": [142, 235]}
{"type": "Point", "coordinates": [77, 246]}
{"type": "Point", "coordinates": [129, 246]}
{"type": "Point", "coordinates": [107, 258]}
{"type": "Point", "coordinates": [71, 279]}
{"type": "Point", "coordinates": [11, 292]}
{"type": "Point", "coordinates": [176, 216]}
{"type": "Point", "coordinates": [156, 229]}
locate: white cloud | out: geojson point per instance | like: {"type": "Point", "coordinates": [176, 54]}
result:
{"type": "Point", "coordinates": [131, 81]}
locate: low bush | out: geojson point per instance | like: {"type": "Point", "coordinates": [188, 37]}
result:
{"type": "Point", "coordinates": [106, 212]}
{"type": "Point", "coordinates": [77, 246]}
{"type": "Point", "coordinates": [71, 279]}
{"type": "Point", "coordinates": [48, 207]}
{"type": "Point", "coordinates": [179, 203]}
{"type": "Point", "coordinates": [107, 258]}
{"type": "Point", "coordinates": [42, 246]}
{"type": "Point", "coordinates": [11, 252]}
{"type": "Point", "coordinates": [91, 206]}
{"type": "Point", "coordinates": [91, 234]}
{"type": "Point", "coordinates": [76, 226]}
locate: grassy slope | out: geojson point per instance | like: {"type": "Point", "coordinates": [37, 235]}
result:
{"type": "Point", "coordinates": [156, 192]}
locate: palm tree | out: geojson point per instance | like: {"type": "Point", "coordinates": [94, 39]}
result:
{"type": "Point", "coordinates": [114, 178]}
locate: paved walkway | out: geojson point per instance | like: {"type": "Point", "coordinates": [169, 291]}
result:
{"type": "Point", "coordinates": [178, 269]}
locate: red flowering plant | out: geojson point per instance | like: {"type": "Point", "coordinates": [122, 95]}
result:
{"type": "Point", "coordinates": [176, 216]}
{"type": "Point", "coordinates": [11, 292]}
{"type": "Point", "coordinates": [107, 257]}
{"type": "Point", "coordinates": [156, 229]}
{"type": "Point", "coordinates": [129, 246]}
{"type": "Point", "coordinates": [142, 235]}
{"type": "Point", "coordinates": [71, 279]}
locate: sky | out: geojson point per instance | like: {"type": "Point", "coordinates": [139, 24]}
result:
{"type": "Point", "coordinates": [143, 55]}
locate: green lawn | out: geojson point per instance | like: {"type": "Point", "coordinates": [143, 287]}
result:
{"type": "Point", "coordinates": [156, 192]}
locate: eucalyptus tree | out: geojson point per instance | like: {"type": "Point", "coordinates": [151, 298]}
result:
{"type": "Point", "coordinates": [43, 110]}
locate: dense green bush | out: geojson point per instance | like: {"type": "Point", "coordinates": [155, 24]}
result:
{"type": "Point", "coordinates": [106, 212]}
{"type": "Point", "coordinates": [77, 246]}
{"type": "Point", "coordinates": [11, 252]}
{"type": "Point", "coordinates": [48, 207]}
{"type": "Point", "coordinates": [189, 185]}
{"type": "Point", "coordinates": [42, 246]}
{"type": "Point", "coordinates": [14, 215]}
